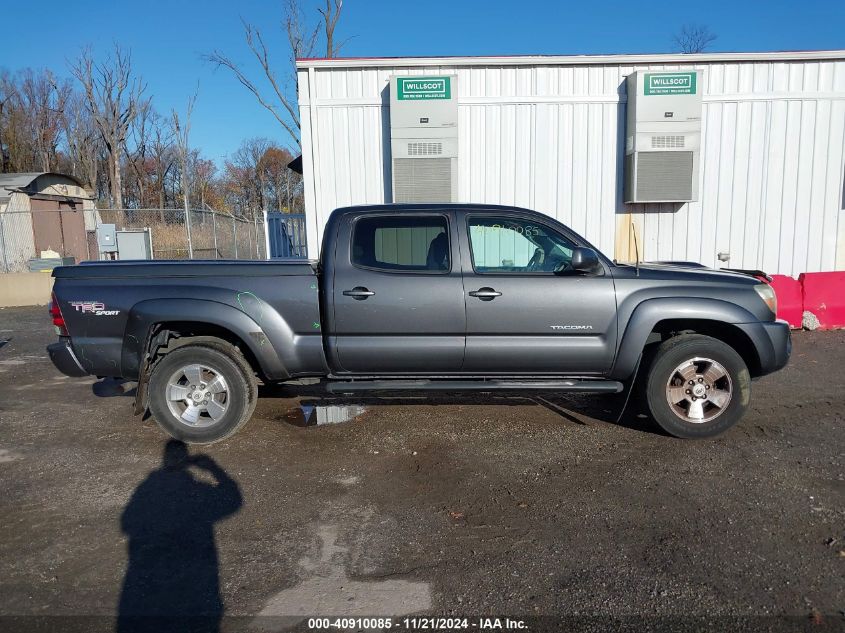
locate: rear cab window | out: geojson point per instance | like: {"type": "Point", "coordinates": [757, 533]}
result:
{"type": "Point", "coordinates": [395, 243]}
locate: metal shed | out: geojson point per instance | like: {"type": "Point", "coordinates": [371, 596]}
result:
{"type": "Point", "coordinates": [548, 133]}
{"type": "Point", "coordinates": [43, 212]}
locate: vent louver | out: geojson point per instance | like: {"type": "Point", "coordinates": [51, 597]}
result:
{"type": "Point", "coordinates": [425, 149]}
{"type": "Point", "coordinates": [667, 142]}
{"type": "Point", "coordinates": [664, 176]}
{"type": "Point", "coordinates": [422, 179]}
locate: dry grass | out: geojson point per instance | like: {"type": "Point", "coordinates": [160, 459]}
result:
{"type": "Point", "coordinates": [212, 236]}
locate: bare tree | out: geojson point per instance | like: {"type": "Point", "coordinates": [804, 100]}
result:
{"type": "Point", "coordinates": [8, 99]}
{"type": "Point", "coordinates": [694, 38]}
{"type": "Point", "coordinates": [83, 141]}
{"type": "Point", "coordinates": [43, 98]}
{"type": "Point", "coordinates": [245, 180]}
{"type": "Point", "coordinates": [161, 151]}
{"type": "Point", "coordinates": [113, 96]}
{"type": "Point", "coordinates": [331, 14]}
{"type": "Point", "coordinates": [279, 181]}
{"type": "Point", "coordinates": [280, 98]}
{"type": "Point", "coordinates": [182, 131]}
{"type": "Point", "coordinates": [181, 128]}
{"type": "Point", "coordinates": [141, 132]}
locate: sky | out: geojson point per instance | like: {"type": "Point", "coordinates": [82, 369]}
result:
{"type": "Point", "coordinates": [168, 40]}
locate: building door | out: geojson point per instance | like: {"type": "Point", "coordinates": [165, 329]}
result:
{"type": "Point", "coordinates": [526, 313]}
{"type": "Point", "coordinates": [47, 226]}
{"type": "Point", "coordinates": [59, 226]}
{"type": "Point", "coordinates": [73, 230]}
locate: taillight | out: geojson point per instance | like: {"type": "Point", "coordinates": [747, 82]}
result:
{"type": "Point", "coordinates": [58, 319]}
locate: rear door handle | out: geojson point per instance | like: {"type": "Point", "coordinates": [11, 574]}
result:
{"type": "Point", "coordinates": [485, 294]}
{"type": "Point", "coordinates": [359, 293]}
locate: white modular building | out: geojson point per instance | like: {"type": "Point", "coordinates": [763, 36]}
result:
{"type": "Point", "coordinates": [728, 159]}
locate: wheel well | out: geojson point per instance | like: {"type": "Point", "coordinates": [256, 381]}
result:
{"type": "Point", "coordinates": [165, 337]}
{"type": "Point", "coordinates": [725, 332]}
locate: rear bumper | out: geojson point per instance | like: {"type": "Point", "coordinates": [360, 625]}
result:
{"type": "Point", "coordinates": [64, 359]}
{"type": "Point", "coordinates": [773, 341]}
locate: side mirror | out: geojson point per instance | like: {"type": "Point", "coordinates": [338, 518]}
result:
{"type": "Point", "coordinates": [585, 260]}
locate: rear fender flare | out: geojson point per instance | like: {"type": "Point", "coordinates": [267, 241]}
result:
{"type": "Point", "coordinates": [144, 315]}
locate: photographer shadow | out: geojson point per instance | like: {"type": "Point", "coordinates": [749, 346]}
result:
{"type": "Point", "coordinates": [172, 580]}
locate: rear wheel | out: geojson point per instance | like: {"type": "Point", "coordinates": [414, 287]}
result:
{"type": "Point", "coordinates": [202, 393]}
{"type": "Point", "coordinates": [697, 386]}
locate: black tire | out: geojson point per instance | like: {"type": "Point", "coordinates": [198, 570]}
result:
{"type": "Point", "coordinates": [680, 351]}
{"type": "Point", "coordinates": [221, 359]}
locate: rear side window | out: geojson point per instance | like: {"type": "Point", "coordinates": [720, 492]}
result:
{"type": "Point", "coordinates": [397, 243]}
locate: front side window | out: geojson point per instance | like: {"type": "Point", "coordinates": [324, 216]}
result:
{"type": "Point", "coordinates": [397, 243]}
{"type": "Point", "coordinates": [514, 245]}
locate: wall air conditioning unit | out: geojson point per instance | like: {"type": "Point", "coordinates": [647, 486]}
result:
{"type": "Point", "coordinates": [424, 138]}
{"type": "Point", "coordinates": [663, 136]}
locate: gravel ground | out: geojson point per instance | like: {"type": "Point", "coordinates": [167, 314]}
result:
{"type": "Point", "coordinates": [477, 506]}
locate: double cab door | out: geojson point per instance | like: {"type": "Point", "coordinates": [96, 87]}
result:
{"type": "Point", "coordinates": [465, 292]}
{"type": "Point", "coordinates": [398, 295]}
{"type": "Point", "coordinates": [527, 312]}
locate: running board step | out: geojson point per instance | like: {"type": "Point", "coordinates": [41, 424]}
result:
{"type": "Point", "coordinates": [574, 386]}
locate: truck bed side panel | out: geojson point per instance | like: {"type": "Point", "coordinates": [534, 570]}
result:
{"type": "Point", "coordinates": [277, 317]}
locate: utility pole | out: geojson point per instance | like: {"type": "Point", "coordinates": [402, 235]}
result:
{"type": "Point", "coordinates": [266, 235]}
{"type": "Point", "coordinates": [188, 223]}
{"type": "Point", "coordinates": [214, 230]}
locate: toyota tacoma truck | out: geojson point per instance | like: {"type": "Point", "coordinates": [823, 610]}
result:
{"type": "Point", "coordinates": [425, 297]}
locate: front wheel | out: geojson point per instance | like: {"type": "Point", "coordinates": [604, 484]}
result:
{"type": "Point", "coordinates": [697, 386]}
{"type": "Point", "coordinates": [202, 393]}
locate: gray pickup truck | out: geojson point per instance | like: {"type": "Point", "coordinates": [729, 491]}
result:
{"type": "Point", "coordinates": [427, 298]}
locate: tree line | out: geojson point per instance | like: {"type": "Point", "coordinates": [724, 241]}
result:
{"type": "Point", "coordinates": [98, 125]}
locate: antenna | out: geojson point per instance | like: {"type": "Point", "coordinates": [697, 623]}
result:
{"type": "Point", "coordinates": [636, 246]}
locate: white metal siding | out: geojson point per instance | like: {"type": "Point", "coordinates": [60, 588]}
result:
{"type": "Point", "coordinates": [550, 137]}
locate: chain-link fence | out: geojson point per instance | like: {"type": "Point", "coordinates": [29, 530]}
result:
{"type": "Point", "coordinates": [28, 238]}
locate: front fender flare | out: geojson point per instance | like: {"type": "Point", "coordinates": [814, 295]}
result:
{"type": "Point", "coordinates": [652, 311]}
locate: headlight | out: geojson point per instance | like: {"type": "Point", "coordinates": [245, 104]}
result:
{"type": "Point", "coordinates": [767, 294]}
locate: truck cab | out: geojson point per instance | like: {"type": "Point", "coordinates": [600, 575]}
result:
{"type": "Point", "coordinates": [466, 291]}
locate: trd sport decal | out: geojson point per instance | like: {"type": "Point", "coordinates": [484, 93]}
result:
{"type": "Point", "coordinates": [93, 307]}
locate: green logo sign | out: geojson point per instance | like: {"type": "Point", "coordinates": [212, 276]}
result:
{"type": "Point", "coordinates": [670, 84]}
{"type": "Point", "coordinates": [423, 88]}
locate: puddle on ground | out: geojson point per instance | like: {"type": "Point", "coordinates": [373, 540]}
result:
{"type": "Point", "coordinates": [320, 414]}
{"type": "Point", "coordinates": [7, 456]}
{"type": "Point", "coordinates": [327, 589]}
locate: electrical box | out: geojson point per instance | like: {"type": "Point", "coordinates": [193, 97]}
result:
{"type": "Point", "coordinates": [135, 244]}
{"type": "Point", "coordinates": [424, 138]}
{"type": "Point", "coordinates": [107, 238]}
{"type": "Point", "coordinates": [663, 136]}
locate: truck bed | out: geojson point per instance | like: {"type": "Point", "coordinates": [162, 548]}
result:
{"type": "Point", "coordinates": [109, 309]}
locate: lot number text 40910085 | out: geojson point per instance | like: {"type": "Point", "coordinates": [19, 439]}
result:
{"type": "Point", "coordinates": [422, 623]}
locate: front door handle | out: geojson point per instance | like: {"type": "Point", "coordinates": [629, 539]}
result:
{"type": "Point", "coordinates": [359, 293]}
{"type": "Point", "coordinates": [485, 294]}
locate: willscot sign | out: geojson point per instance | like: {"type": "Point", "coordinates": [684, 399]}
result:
{"type": "Point", "coordinates": [423, 88]}
{"type": "Point", "coordinates": [670, 84]}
